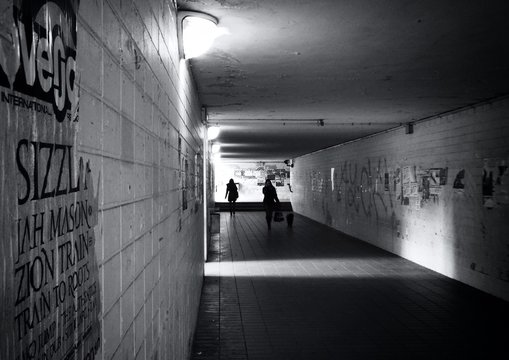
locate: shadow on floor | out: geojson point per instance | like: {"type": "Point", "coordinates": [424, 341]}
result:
{"type": "Point", "coordinates": [312, 293]}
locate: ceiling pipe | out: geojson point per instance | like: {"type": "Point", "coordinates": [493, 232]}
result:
{"type": "Point", "coordinates": [313, 122]}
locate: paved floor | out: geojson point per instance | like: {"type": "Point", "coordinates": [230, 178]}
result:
{"type": "Point", "coordinates": [310, 292]}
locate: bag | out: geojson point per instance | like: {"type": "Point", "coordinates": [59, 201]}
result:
{"type": "Point", "coordinates": [289, 219]}
{"type": "Point", "coordinates": [278, 216]}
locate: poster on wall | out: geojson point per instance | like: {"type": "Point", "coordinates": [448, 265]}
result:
{"type": "Point", "coordinates": [458, 184]}
{"type": "Point", "coordinates": [396, 181]}
{"type": "Point", "coordinates": [431, 182]}
{"type": "Point", "coordinates": [495, 183]}
{"type": "Point", "coordinates": [408, 184]}
{"type": "Point", "coordinates": [421, 186]}
{"type": "Point", "coordinates": [198, 183]}
{"type": "Point", "coordinates": [50, 291]}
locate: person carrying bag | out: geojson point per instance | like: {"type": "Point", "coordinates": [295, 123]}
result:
{"type": "Point", "coordinates": [270, 201]}
{"type": "Point", "coordinates": [278, 214]}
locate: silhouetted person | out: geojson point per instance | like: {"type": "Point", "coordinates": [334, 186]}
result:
{"type": "Point", "coordinates": [232, 193]}
{"type": "Point", "coordinates": [270, 200]}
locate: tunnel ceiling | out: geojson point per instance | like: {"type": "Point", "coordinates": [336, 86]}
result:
{"type": "Point", "coordinates": [360, 66]}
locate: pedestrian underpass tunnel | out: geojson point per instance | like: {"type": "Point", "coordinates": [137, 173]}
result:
{"type": "Point", "coordinates": [381, 127]}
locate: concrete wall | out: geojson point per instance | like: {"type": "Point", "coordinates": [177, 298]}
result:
{"type": "Point", "coordinates": [439, 196]}
{"type": "Point", "coordinates": [100, 182]}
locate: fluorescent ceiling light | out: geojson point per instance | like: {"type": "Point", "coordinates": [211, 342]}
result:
{"type": "Point", "coordinates": [216, 148]}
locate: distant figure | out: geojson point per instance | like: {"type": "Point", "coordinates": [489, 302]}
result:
{"type": "Point", "coordinates": [270, 200]}
{"type": "Point", "coordinates": [232, 193]}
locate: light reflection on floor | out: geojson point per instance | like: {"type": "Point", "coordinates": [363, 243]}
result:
{"type": "Point", "coordinates": [306, 268]}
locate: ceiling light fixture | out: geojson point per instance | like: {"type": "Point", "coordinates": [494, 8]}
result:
{"type": "Point", "coordinates": [197, 32]}
{"type": "Point", "coordinates": [216, 148]}
{"type": "Point", "coordinates": [213, 132]}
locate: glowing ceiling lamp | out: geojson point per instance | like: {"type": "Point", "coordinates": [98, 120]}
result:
{"type": "Point", "coordinates": [213, 132]}
{"type": "Point", "coordinates": [216, 148]}
{"type": "Point", "coordinates": [198, 32]}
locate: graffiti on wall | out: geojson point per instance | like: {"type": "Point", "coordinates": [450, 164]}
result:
{"type": "Point", "coordinates": [52, 308]}
{"type": "Point", "coordinates": [363, 188]}
{"type": "Point", "coordinates": [373, 189]}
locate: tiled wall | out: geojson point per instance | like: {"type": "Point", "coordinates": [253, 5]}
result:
{"type": "Point", "coordinates": [137, 130]}
{"type": "Point", "coordinates": [439, 196]}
